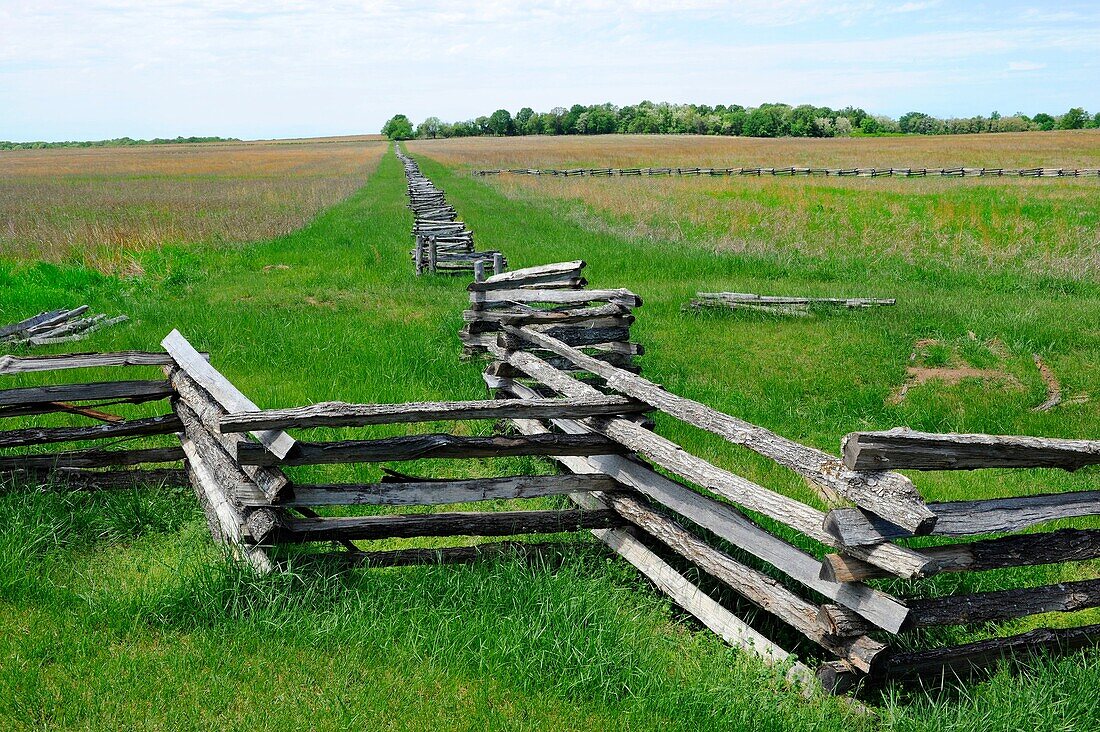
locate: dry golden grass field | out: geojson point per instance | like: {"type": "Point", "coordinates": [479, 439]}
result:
{"type": "Point", "coordinates": [99, 205]}
{"type": "Point", "coordinates": [1026, 225]}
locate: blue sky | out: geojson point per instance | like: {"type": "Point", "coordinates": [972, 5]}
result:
{"type": "Point", "coordinates": [145, 68]}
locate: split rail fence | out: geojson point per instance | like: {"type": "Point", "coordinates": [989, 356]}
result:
{"type": "Point", "coordinates": [442, 243]}
{"type": "Point", "coordinates": [564, 379]}
{"type": "Point", "coordinates": [958, 172]}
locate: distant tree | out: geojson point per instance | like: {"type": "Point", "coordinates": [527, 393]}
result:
{"type": "Point", "coordinates": [1074, 119]}
{"type": "Point", "coordinates": [842, 126]}
{"type": "Point", "coordinates": [430, 128]}
{"type": "Point", "coordinates": [1096, 120]}
{"type": "Point", "coordinates": [398, 128]}
{"type": "Point", "coordinates": [523, 121]}
{"type": "Point", "coordinates": [802, 121]}
{"type": "Point", "coordinates": [768, 120]}
{"type": "Point", "coordinates": [500, 123]}
{"type": "Point", "coordinates": [870, 126]}
{"type": "Point", "coordinates": [1044, 121]}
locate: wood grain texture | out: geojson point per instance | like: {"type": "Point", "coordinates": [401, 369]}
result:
{"type": "Point", "coordinates": [1063, 545]}
{"type": "Point", "coordinates": [133, 392]}
{"type": "Point", "coordinates": [419, 447]}
{"type": "Point", "coordinates": [853, 527]}
{"type": "Point", "coordinates": [424, 493]}
{"type": "Point", "coordinates": [901, 448]}
{"type": "Point", "coordinates": [28, 364]}
{"type": "Point", "coordinates": [219, 387]}
{"type": "Point", "coordinates": [670, 456]}
{"type": "Point", "coordinates": [165, 424]}
{"type": "Point", "coordinates": [492, 523]}
{"type": "Point", "coordinates": [340, 414]}
{"type": "Point", "coordinates": [91, 458]}
{"type": "Point", "coordinates": [887, 494]}
{"type": "Point", "coordinates": [729, 524]}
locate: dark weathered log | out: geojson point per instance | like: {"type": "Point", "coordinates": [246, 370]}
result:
{"type": "Point", "coordinates": [27, 364]}
{"type": "Point", "coordinates": [530, 316]}
{"type": "Point", "coordinates": [969, 657]}
{"type": "Point", "coordinates": [854, 527]}
{"type": "Point", "coordinates": [270, 480]}
{"type": "Point", "coordinates": [904, 449]}
{"type": "Point", "coordinates": [887, 494]}
{"type": "Point", "coordinates": [1003, 604]}
{"type": "Point", "coordinates": [236, 483]}
{"type": "Point", "coordinates": [217, 386]}
{"type": "Point", "coordinates": [162, 425]}
{"type": "Point", "coordinates": [423, 493]}
{"type": "Point", "coordinates": [493, 523]}
{"type": "Point", "coordinates": [726, 522]}
{"type": "Point", "coordinates": [84, 479]}
{"type": "Point", "coordinates": [903, 562]}
{"type": "Point", "coordinates": [419, 447]}
{"type": "Point", "coordinates": [43, 398]}
{"type": "Point", "coordinates": [572, 335]}
{"type": "Point", "coordinates": [757, 587]}
{"type": "Point", "coordinates": [222, 516]}
{"type": "Point", "coordinates": [24, 325]}
{"type": "Point", "coordinates": [340, 414]}
{"type": "Point", "coordinates": [619, 297]}
{"type": "Point", "coordinates": [1063, 545]}
{"type": "Point", "coordinates": [90, 458]}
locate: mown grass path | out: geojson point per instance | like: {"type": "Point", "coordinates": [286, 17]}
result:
{"type": "Point", "coordinates": [115, 612]}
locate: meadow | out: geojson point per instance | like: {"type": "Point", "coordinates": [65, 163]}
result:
{"type": "Point", "coordinates": [118, 612]}
{"type": "Point", "coordinates": [99, 205]}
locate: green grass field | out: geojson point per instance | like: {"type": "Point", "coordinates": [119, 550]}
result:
{"type": "Point", "coordinates": [117, 612]}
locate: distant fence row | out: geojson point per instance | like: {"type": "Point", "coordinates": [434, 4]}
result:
{"type": "Point", "coordinates": [797, 171]}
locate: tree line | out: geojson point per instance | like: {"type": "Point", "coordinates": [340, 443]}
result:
{"type": "Point", "coordinates": [116, 142]}
{"type": "Point", "coordinates": [767, 120]}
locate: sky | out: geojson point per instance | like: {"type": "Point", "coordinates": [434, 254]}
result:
{"type": "Point", "coordinates": [93, 69]}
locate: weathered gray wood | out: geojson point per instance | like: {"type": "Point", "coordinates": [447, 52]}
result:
{"type": "Point", "coordinates": [236, 483]}
{"type": "Point", "coordinates": [976, 656]}
{"type": "Point", "coordinates": [689, 596]}
{"type": "Point", "coordinates": [86, 479]}
{"type": "Point", "coordinates": [755, 586]}
{"type": "Point", "coordinates": [90, 458]}
{"type": "Point", "coordinates": [27, 364]}
{"type": "Point", "coordinates": [887, 494]}
{"type": "Point", "coordinates": [901, 448]}
{"type": "Point", "coordinates": [854, 527]}
{"type": "Point", "coordinates": [492, 523]}
{"type": "Point", "coordinates": [531, 316]}
{"type": "Point", "coordinates": [571, 279]}
{"type": "Point", "coordinates": [424, 493]}
{"type": "Point", "coordinates": [219, 387]}
{"type": "Point", "coordinates": [528, 273]}
{"type": "Point", "coordinates": [162, 425]}
{"type": "Point", "coordinates": [1063, 545]}
{"type": "Point", "coordinates": [98, 323]}
{"type": "Point", "coordinates": [498, 263]}
{"type": "Point", "coordinates": [619, 297]}
{"type": "Point", "coordinates": [129, 391]}
{"type": "Point", "coordinates": [341, 414]}
{"type": "Point", "coordinates": [1003, 604]}
{"type": "Point", "coordinates": [270, 480]}
{"type": "Point", "coordinates": [27, 324]}
{"type": "Point", "coordinates": [744, 298]}
{"type": "Point", "coordinates": [727, 523]}
{"type": "Point", "coordinates": [224, 520]}
{"type": "Point", "coordinates": [420, 447]}
{"type": "Point", "coordinates": [903, 562]}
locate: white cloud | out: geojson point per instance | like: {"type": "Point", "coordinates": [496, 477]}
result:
{"type": "Point", "coordinates": [1025, 66]}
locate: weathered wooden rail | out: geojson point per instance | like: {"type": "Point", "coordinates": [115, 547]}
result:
{"type": "Point", "coordinates": [793, 171]}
